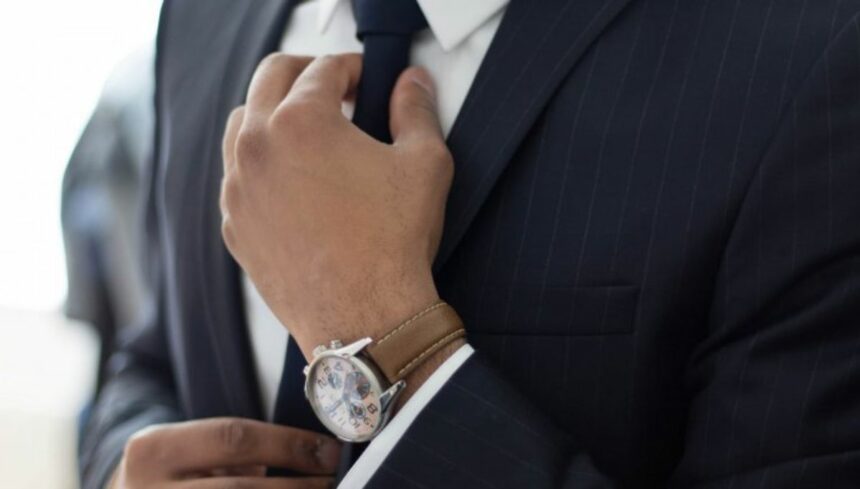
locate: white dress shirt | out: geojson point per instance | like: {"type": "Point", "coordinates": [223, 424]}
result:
{"type": "Point", "coordinates": [451, 50]}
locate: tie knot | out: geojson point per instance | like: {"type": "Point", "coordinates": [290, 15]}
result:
{"type": "Point", "coordinates": [387, 17]}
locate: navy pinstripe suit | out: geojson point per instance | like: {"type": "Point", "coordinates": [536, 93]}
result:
{"type": "Point", "coordinates": [653, 237]}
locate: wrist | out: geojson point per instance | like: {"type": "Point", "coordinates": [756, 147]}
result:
{"type": "Point", "coordinates": [372, 377]}
{"type": "Point", "coordinates": [370, 309]}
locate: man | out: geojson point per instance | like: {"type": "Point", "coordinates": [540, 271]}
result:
{"type": "Point", "coordinates": [650, 238]}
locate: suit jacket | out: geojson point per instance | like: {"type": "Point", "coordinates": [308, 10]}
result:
{"type": "Point", "coordinates": [100, 203]}
{"type": "Point", "coordinates": [652, 237]}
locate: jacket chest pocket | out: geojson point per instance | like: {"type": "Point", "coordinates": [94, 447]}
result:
{"type": "Point", "coordinates": [570, 349]}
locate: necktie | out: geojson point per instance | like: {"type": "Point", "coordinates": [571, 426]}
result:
{"type": "Point", "coordinates": [385, 28]}
{"type": "Point", "coordinates": [291, 407]}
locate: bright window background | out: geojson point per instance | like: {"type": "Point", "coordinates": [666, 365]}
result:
{"type": "Point", "coordinates": [54, 58]}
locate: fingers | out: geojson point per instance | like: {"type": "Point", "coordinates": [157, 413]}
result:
{"type": "Point", "coordinates": [202, 445]}
{"type": "Point", "coordinates": [228, 144]}
{"type": "Point", "coordinates": [413, 110]}
{"type": "Point", "coordinates": [272, 80]}
{"type": "Point", "coordinates": [415, 127]}
{"type": "Point", "coordinates": [249, 471]}
{"type": "Point", "coordinates": [257, 483]}
{"type": "Point", "coordinates": [327, 80]}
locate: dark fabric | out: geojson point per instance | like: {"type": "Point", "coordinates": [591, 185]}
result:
{"type": "Point", "coordinates": [385, 29]}
{"type": "Point", "coordinates": [291, 407]}
{"type": "Point", "coordinates": [100, 202]}
{"type": "Point", "coordinates": [651, 238]}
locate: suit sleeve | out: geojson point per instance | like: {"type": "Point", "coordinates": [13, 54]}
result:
{"type": "Point", "coordinates": [775, 383]}
{"type": "Point", "coordinates": [139, 390]}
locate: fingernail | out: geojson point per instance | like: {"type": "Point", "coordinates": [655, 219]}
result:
{"type": "Point", "coordinates": [421, 77]}
{"type": "Point", "coordinates": [328, 453]}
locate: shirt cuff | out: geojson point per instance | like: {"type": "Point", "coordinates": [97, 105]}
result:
{"type": "Point", "coordinates": [379, 448]}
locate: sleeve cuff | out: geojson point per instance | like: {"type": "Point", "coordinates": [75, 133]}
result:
{"type": "Point", "coordinates": [381, 446]}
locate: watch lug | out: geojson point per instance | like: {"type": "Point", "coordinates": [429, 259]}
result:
{"type": "Point", "coordinates": [390, 395]}
{"type": "Point", "coordinates": [352, 349]}
{"type": "Point", "coordinates": [319, 351]}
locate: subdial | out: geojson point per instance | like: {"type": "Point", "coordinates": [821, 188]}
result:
{"type": "Point", "coordinates": [356, 385]}
{"type": "Point", "coordinates": [334, 380]}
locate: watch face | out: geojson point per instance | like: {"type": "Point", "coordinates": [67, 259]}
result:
{"type": "Point", "coordinates": [345, 397]}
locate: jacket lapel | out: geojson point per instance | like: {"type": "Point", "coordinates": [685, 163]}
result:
{"type": "Point", "coordinates": [261, 24]}
{"type": "Point", "coordinates": [532, 52]}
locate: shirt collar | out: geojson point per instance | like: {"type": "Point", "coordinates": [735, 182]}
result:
{"type": "Point", "coordinates": [451, 21]}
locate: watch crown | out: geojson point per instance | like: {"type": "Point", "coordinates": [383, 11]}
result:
{"type": "Point", "coordinates": [319, 350]}
{"type": "Point", "coordinates": [335, 344]}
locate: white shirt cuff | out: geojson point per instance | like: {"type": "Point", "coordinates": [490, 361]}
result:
{"type": "Point", "coordinates": [381, 446]}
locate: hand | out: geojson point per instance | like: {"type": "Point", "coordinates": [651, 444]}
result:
{"type": "Point", "coordinates": [225, 452]}
{"type": "Point", "coordinates": [337, 230]}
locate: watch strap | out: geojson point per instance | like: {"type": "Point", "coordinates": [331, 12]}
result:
{"type": "Point", "coordinates": [407, 346]}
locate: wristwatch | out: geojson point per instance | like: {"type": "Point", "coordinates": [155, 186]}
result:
{"type": "Point", "coordinates": [352, 388]}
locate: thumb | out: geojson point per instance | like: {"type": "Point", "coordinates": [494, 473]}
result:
{"type": "Point", "coordinates": [413, 112]}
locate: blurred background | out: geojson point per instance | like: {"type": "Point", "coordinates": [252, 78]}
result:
{"type": "Point", "coordinates": [68, 280]}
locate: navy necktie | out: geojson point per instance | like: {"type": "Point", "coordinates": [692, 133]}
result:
{"type": "Point", "coordinates": [385, 28]}
{"type": "Point", "coordinates": [291, 407]}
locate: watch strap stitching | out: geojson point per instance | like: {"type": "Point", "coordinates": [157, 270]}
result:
{"type": "Point", "coordinates": [410, 321]}
{"type": "Point", "coordinates": [429, 351]}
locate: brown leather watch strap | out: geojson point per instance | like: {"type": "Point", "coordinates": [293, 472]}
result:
{"type": "Point", "coordinates": [408, 345]}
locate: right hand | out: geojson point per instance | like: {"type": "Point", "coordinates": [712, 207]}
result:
{"type": "Point", "coordinates": [225, 452]}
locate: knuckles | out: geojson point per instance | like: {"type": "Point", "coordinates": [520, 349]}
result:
{"type": "Point", "coordinates": [237, 484]}
{"type": "Point", "coordinates": [251, 144]}
{"type": "Point", "coordinates": [229, 193]}
{"type": "Point", "coordinates": [415, 99]}
{"type": "Point", "coordinates": [229, 207]}
{"type": "Point", "coordinates": [288, 115]}
{"type": "Point", "coordinates": [236, 115]}
{"type": "Point", "coordinates": [297, 120]}
{"type": "Point", "coordinates": [142, 448]}
{"type": "Point", "coordinates": [439, 163]}
{"type": "Point", "coordinates": [228, 234]}
{"type": "Point", "coordinates": [236, 436]}
{"type": "Point", "coordinates": [304, 449]}
{"type": "Point", "coordinates": [337, 62]}
{"type": "Point", "coordinates": [273, 60]}
{"type": "Point", "coordinates": [282, 64]}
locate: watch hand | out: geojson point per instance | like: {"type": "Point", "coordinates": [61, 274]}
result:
{"type": "Point", "coordinates": [334, 406]}
{"type": "Point", "coordinates": [346, 400]}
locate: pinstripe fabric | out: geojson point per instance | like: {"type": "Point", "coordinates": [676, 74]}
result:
{"type": "Point", "coordinates": [657, 271]}
{"type": "Point", "coordinates": [652, 238]}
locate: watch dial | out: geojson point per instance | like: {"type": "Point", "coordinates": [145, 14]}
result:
{"type": "Point", "coordinates": [345, 398]}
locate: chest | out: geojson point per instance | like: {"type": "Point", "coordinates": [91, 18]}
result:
{"type": "Point", "coordinates": [587, 275]}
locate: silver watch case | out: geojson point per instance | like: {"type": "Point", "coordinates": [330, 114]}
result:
{"type": "Point", "coordinates": [379, 384]}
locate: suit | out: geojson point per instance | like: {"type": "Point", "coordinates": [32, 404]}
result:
{"type": "Point", "coordinates": [651, 237]}
{"type": "Point", "coordinates": [100, 203]}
